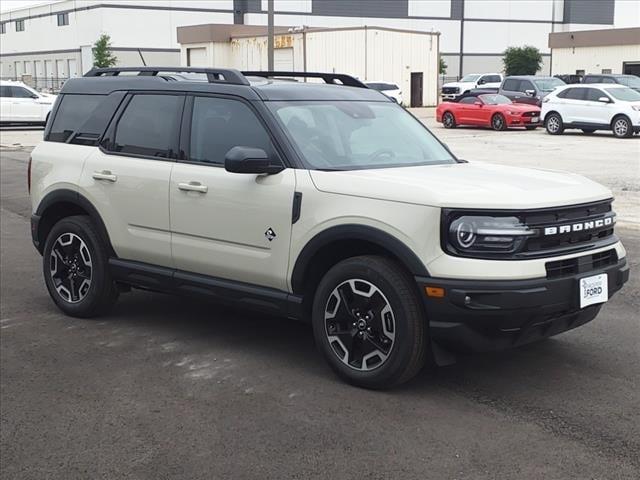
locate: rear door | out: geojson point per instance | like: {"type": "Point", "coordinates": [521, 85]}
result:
{"type": "Point", "coordinates": [127, 179]}
{"type": "Point", "coordinates": [229, 225]}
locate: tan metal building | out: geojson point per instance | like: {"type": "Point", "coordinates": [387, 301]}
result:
{"type": "Point", "coordinates": [404, 57]}
{"type": "Point", "coordinates": [596, 51]}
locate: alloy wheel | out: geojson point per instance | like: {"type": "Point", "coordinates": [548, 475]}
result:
{"type": "Point", "coordinates": [448, 120]}
{"type": "Point", "coordinates": [360, 324]}
{"type": "Point", "coordinates": [620, 127]}
{"type": "Point", "coordinates": [553, 124]}
{"type": "Point", "coordinates": [70, 267]}
{"type": "Point", "coordinates": [498, 122]}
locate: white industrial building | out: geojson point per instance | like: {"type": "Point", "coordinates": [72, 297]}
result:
{"type": "Point", "coordinates": [55, 40]}
{"type": "Point", "coordinates": [404, 57]}
{"type": "Point", "coordinates": [596, 51]}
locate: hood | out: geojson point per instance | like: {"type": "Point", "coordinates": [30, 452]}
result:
{"type": "Point", "coordinates": [465, 185]}
{"type": "Point", "coordinates": [460, 85]}
{"type": "Point", "coordinates": [47, 98]}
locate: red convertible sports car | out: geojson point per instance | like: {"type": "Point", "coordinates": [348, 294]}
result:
{"type": "Point", "coordinates": [488, 110]}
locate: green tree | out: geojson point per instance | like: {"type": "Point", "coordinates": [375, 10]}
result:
{"type": "Point", "coordinates": [102, 56]}
{"type": "Point", "coordinates": [525, 60]}
{"type": "Point", "coordinates": [443, 66]}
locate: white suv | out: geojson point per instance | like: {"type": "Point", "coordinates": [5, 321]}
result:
{"type": "Point", "coordinates": [592, 107]}
{"type": "Point", "coordinates": [324, 203]}
{"type": "Point", "coordinates": [20, 103]}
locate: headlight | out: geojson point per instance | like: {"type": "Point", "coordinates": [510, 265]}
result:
{"type": "Point", "coordinates": [469, 235]}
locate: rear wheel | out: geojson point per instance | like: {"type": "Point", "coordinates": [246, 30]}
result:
{"type": "Point", "coordinates": [498, 122]}
{"type": "Point", "coordinates": [448, 120]}
{"type": "Point", "coordinates": [369, 324]}
{"type": "Point", "coordinates": [553, 124]}
{"type": "Point", "coordinates": [75, 264]}
{"type": "Point", "coordinates": [622, 127]}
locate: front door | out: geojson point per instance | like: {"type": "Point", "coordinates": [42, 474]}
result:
{"type": "Point", "coordinates": [229, 225]}
{"type": "Point", "coordinates": [24, 107]}
{"type": "Point", "coordinates": [416, 89]}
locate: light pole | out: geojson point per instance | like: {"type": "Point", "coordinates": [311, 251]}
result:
{"type": "Point", "coordinates": [270, 35]}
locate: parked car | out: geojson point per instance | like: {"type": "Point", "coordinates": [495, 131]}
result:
{"type": "Point", "coordinates": [570, 78]}
{"type": "Point", "coordinates": [391, 90]}
{"type": "Point", "coordinates": [452, 90]}
{"type": "Point", "coordinates": [488, 110]}
{"type": "Point", "coordinates": [326, 203]}
{"type": "Point", "coordinates": [529, 88]}
{"type": "Point", "coordinates": [631, 81]}
{"type": "Point", "coordinates": [20, 103]}
{"type": "Point", "coordinates": [595, 107]}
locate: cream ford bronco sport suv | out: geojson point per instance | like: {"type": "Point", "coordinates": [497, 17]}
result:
{"type": "Point", "coordinates": [321, 202]}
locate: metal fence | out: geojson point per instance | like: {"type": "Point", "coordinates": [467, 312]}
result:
{"type": "Point", "coordinates": [42, 84]}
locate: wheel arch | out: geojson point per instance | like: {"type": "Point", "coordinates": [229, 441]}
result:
{"type": "Point", "coordinates": [549, 113]}
{"type": "Point", "coordinates": [345, 241]}
{"type": "Point", "coordinates": [64, 203]}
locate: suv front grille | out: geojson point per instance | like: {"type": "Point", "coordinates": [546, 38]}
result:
{"type": "Point", "coordinates": [450, 90]}
{"type": "Point", "coordinates": [568, 229]}
{"type": "Point", "coordinates": [584, 264]}
{"type": "Point", "coordinates": [531, 114]}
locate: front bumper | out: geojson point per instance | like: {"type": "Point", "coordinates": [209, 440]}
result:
{"type": "Point", "coordinates": [450, 96]}
{"type": "Point", "coordinates": [517, 120]}
{"type": "Point", "coordinates": [482, 315]}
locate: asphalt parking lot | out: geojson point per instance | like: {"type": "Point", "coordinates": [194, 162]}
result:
{"type": "Point", "coordinates": [175, 388]}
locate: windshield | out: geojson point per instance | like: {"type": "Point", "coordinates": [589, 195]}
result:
{"type": "Point", "coordinates": [382, 86]}
{"type": "Point", "coordinates": [624, 94]}
{"type": "Point", "coordinates": [630, 81]}
{"type": "Point", "coordinates": [548, 84]}
{"type": "Point", "coordinates": [470, 78]}
{"type": "Point", "coordinates": [495, 99]}
{"type": "Point", "coordinates": [345, 135]}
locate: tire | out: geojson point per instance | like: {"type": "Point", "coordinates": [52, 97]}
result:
{"type": "Point", "coordinates": [621, 127]}
{"type": "Point", "coordinates": [588, 131]}
{"type": "Point", "coordinates": [531, 127]}
{"type": "Point", "coordinates": [385, 322]}
{"type": "Point", "coordinates": [448, 120]}
{"type": "Point", "coordinates": [498, 122]}
{"type": "Point", "coordinates": [553, 123]}
{"type": "Point", "coordinates": [76, 269]}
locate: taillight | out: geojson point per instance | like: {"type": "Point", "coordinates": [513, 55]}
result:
{"type": "Point", "coordinates": [29, 175]}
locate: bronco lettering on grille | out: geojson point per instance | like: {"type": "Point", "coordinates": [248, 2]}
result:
{"type": "Point", "coordinates": [580, 226]}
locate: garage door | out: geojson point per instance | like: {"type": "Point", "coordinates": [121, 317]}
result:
{"type": "Point", "coordinates": [283, 60]}
{"type": "Point", "coordinates": [197, 57]}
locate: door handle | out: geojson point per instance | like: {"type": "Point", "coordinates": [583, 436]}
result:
{"type": "Point", "coordinates": [193, 187]}
{"type": "Point", "coordinates": [105, 175]}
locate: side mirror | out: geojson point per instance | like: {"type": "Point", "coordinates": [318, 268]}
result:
{"type": "Point", "coordinates": [250, 160]}
{"type": "Point", "coordinates": [34, 96]}
{"type": "Point", "coordinates": [530, 93]}
{"type": "Point", "coordinates": [604, 99]}
{"type": "Point", "coordinates": [477, 102]}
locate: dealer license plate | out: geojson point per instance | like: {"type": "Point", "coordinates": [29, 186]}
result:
{"type": "Point", "coordinates": [594, 290]}
{"type": "Point", "coordinates": [535, 119]}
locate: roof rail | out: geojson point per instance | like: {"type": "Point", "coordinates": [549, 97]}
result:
{"type": "Point", "coordinates": [214, 75]}
{"type": "Point", "coordinates": [344, 79]}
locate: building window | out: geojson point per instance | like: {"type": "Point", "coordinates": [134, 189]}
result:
{"type": "Point", "coordinates": [19, 25]}
{"type": "Point", "coordinates": [3, 27]}
{"type": "Point", "coordinates": [63, 19]}
{"type": "Point", "coordinates": [606, 70]}
{"type": "Point", "coordinates": [579, 72]}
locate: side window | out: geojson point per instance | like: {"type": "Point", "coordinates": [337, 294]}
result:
{"type": "Point", "coordinates": [591, 79]}
{"type": "Point", "coordinates": [608, 80]}
{"type": "Point", "coordinates": [149, 126]}
{"type": "Point", "coordinates": [576, 93]}
{"type": "Point", "coordinates": [72, 113]}
{"type": "Point", "coordinates": [526, 85]}
{"type": "Point", "coordinates": [593, 94]}
{"type": "Point", "coordinates": [471, 100]}
{"type": "Point", "coordinates": [219, 124]}
{"type": "Point", "coordinates": [19, 92]}
{"type": "Point", "coordinates": [491, 78]}
{"type": "Point", "coordinates": [511, 85]}
{"type": "Point", "coordinates": [5, 91]}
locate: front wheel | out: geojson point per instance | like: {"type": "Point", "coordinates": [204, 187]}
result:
{"type": "Point", "coordinates": [76, 270]}
{"type": "Point", "coordinates": [622, 127]}
{"type": "Point", "coordinates": [369, 324]}
{"type": "Point", "coordinates": [498, 122]}
{"type": "Point", "coordinates": [448, 120]}
{"type": "Point", "coordinates": [553, 124]}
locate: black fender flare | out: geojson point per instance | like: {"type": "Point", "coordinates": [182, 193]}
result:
{"type": "Point", "coordinates": [355, 232]}
{"type": "Point", "coordinates": [68, 196]}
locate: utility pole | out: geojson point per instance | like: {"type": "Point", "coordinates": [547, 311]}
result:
{"type": "Point", "coordinates": [270, 35]}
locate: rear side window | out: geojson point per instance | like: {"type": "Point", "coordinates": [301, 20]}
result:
{"type": "Point", "coordinates": [219, 124]}
{"type": "Point", "coordinates": [149, 126]}
{"type": "Point", "coordinates": [73, 111]}
{"type": "Point", "coordinates": [512, 85]}
{"type": "Point", "coordinates": [574, 93]}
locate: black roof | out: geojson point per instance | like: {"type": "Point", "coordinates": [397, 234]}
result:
{"type": "Point", "coordinates": [253, 86]}
{"type": "Point", "coordinates": [528, 77]}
